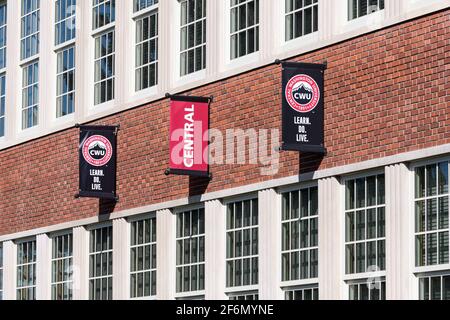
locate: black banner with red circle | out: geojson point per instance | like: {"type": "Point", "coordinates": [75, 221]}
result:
{"type": "Point", "coordinates": [303, 107]}
{"type": "Point", "coordinates": [98, 162]}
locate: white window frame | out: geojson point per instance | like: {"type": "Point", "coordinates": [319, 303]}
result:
{"type": "Point", "coordinates": [368, 6]}
{"type": "Point", "coordinates": [25, 59]}
{"type": "Point", "coordinates": [131, 220]}
{"type": "Point", "coordinates": [3, 98]}
{"type": "Point", "coordinates": [17, 265]}
{"type": "Point", "coordinates": [23, 87]}
{"type": "Point", "coordinates": [440, 275]}
{"type": "Point", "coordinates": [5, 27]}
{"type": "Point", "coordinates": [363, 24]}
{"type": "Point", "coordinates": [73, 16]}
{"type": "Point", "coordinates": [368, 282]}
{"type": "Point", "coordinates": [61, 74]}
{"type": "Point", "coordinates": [302, 10]}
{"type": "Point", "coordinates": [103, 3]}
{"type": "Point", "coordinates": [302, 289]}
{"type": "Point", "coordinates": [71, 282]}
{"type": "Point", "coordinates": [199, 294]}
{"type": "Point", "coordinates": [245, 294]}
{"type": "Point", "coordinates": [114, 76]}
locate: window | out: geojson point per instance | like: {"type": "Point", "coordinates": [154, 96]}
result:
{"type": "Point", "coordinates": [359, 8]}
{"type": "Point", "coordinates": [1, 271]}
{"type": "Point", "coordinates": [434, 288]}
{"type": "Point", "coordinates": [143, 258]}
{"type": "Point", "coordinates": [368, 291]}
{"type": "Point", "coordinates": [100, 264]}
{"type": "Point", "coordinates": [3, 16]}
{"type": "Point", "coordinates": [104, 13]}
{"type": "Point", "coordinates": [191, 251]}
{"type": "Point", "coordinates": [30, 28]}
{"type": "Point", "coordinates": [147, 51]}
{"type": "Point", "coordinates": [193, 36]}
{"type": "Point", "coordinates": [30, 95]}
{"type": "Point", "coordinates": [142, 4]}
{"type": "Point", "coordinates": [240, 297]}
{"type": "Point", "coordinates": [431, 210]}
{"type": "Point", "coordinates": [242, 243]}
{"type": "Point", "coordinates": [26, 270]}
{"type": "Point", "coordinates": [300, 243]}
{"type": "Point", "coordinates": [62, 263]}
{"type": "Point", "coordinates": [365, 225]}
{"type": "Point", "coordinates": [244, 27]}
{"type": "Point", "coordinates": [65, 27]}
{"type": "Point", "coordinates": [301, 18]}
{"type": "Point", "coordinates": [311, 293]}
{"type": "Point", "coordinates": [104, 67]}
{"type": "Point", "coordinates": [65, 79]}
{"type": "Point", "coordinates": [2, 104]}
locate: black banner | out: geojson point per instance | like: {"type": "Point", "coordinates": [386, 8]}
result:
{"type": "Point", "coordinates": [98, 162]}
{"type": "Point", "coordinates": [303, 107]}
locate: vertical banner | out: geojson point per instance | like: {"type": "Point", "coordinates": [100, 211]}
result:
{"type": "Point", "coordinates": [303, 107]}
{"type": "Point", "coordinates": [98, 162]}
{"type": "Point", "coordinates": [189, 124]}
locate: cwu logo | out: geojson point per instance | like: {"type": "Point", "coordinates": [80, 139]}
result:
{"type": "Point", "coordinates": [302, 93]}
{"type": "Point", "coordinates": [97, 150]}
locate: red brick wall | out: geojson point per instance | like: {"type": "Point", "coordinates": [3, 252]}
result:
{"type": "Point", "coordinates": [386, 93]}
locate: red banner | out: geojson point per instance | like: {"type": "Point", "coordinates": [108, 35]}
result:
{"type": "Point", "coordinates": [189, 124]}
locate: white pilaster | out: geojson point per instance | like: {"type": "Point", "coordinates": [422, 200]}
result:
{"type": "Point", "coordinates": [9, 270]}
{"type": "Point", "coordinates": [165, 228]}
{"type": "Point", "coordinates": [331, 252]}
{"type": "Point", "coordinates": [80, 263]}
{"type": "Point", "coordinates": [215, 250]}
{"type": "Point", "coordinates": [43, 267]}
{"type": "Point", "coordinates": [120, 259]}
{"type": "Point", "coordinates": [399, 230]}
{"type": "Point", "coordinates": [269, 204]}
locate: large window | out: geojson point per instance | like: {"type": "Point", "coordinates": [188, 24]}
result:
{"type": "Point", "coordinates": [62, 264]}
{"type": "Point", "coordinates": [104, 67]}
{"type": "Point", "coordinates": [242, 297]}
{"type": "Point", "coordinates": [193, 36]}
{"type": "Point", "coordinates": [1, 271]}
{"type": "Point", "coordinates": [300, 243]}
{"type": "Point", "coordinates": [365, 242]}
{"type": "Point", "coordinates": [26, 270]}
{"type": "Point", "coordinates": [359, 8]}
{"type": "Point", "coordinates": [2, 103]}
{"type": "Point", "coordinates": [431, 210]}
{"type": "Point", "coordinates": [142, 4]}
{"type": "Point", "coordinates": [104, 12]}
{"type": "Point", "coordinates": [306, 293]}
{"type": "Point", "coordinates": [143, 258]}
{"type": "Point", "coordinates": [101, 264]}
{"type": "Point", "coordinates": [30, 95]}
{"type": "Point", "coordinates": [242, 243]}
{"type": "Point", "coordinates": [65, 27]}
{"type": "Point", "coordinates": [190, 241]}
{"type": "Point", "coordinates": [3, 16]}
{"type": "Point", "coordinates": [301, 18]}
{"type": "Point", "coordinates": [65, 79]}
{"type": "Point", "coordinates": [375, 290]}
{"type": "Point", "coordinates": [434, 288]}
{"type": "Point", "coordinates": [244, 27]}
{"type": "Point", "coordinates": [30, 28]}
{"type": "Point", "coordinates": [147, 51]}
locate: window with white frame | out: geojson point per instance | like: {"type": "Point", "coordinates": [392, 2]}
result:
{"type": "Point", "coordinates": [2, 103]}
{"type": "Point", "coordinates": [241, 297]}
{"type": "Point", "coordinates": [305, 293]}
{"type": "Point", "coordinates": [1, 271]}
{"type": "Point", "coordinates": [26, 270]}
{"type": "Point", "coordinates": [190, 242]}
{"type": "Point", "coordinates": [101, 264]}
{"type": "Point", "coordinates": [434, 287]}
{"type": "Point", "coordinates": [62, 265]}
{"type": "Point", "coordinates": [65, 27]}
{"type": "Point", "coordinates": [30, 20]}
{"type": "Point", "coordinates": [143, 4]}
{"type": "Point", "coordinates": [371, 290]}
{"type": "Point", "coordinates": [104, 67]}
{"type": "Point", "coordinates": [3, 16]}
{"type": "Point", "coordinates": [30, 95]}
{"type": "Point", "coordinates": [365, 239]}
{"type": "Point", "coordinates": [242, 243]}
{"type": "Point", "coordinates": [244, 27]}
{"type": "Point", "coordinates": [193, 36]}
{"type": "Point", "coordinates": [300, 243]}
{"type": "Point", "coordinates": [301, 18]}
{"type": "Point", "coordinates": [104, 13]}
{"type": "Point", "coordinates": [65, 82]}
{"type": "Point", "coordinates": [147, 51]}
{"type": "Point", "coordinates": [143, 258]}
{"type": "Point", "coordinates": [432, 211]}
{"type": "Point", "coordinates": [360, 8]}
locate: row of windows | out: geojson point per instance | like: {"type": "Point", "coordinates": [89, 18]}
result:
{"type": "Point", "coordinates": [365, 243]}
{"type": "Point", "coordinates": [301, 18]}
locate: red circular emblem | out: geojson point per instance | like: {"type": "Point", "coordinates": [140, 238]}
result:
{"type": "Point", "coordinates": [97, 151]}
{"type": "Point", "coordinates": [302, 93]}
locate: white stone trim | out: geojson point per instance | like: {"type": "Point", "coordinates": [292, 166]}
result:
{"type": "Point", "coordinates": [9, 270]}
{"type": "Point", "coordinates": [121, 259]}
{"type": "Point", "coordinates": [43, 267]}
{"type": "Point", "coordinates": [165, 255]}
{"type": "Point", "coordinates": [80, 263]}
